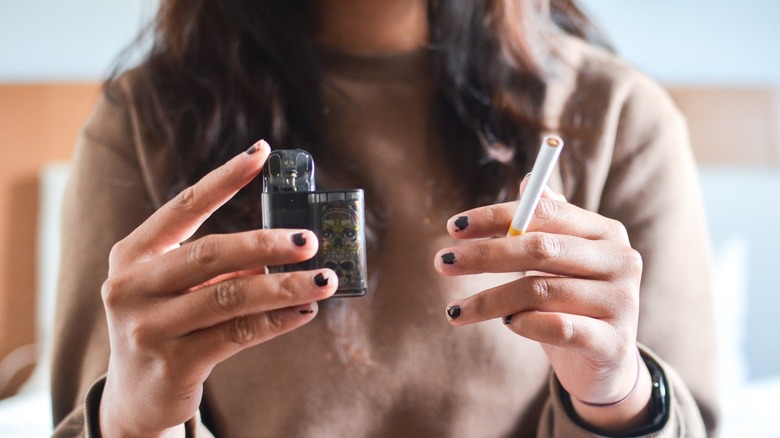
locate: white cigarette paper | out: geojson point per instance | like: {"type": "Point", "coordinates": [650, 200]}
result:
{"type": "Point", "coordinates": [540, 173]}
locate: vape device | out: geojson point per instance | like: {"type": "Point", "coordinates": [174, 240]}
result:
{"type": "Point", "coordinates": [289, 200]}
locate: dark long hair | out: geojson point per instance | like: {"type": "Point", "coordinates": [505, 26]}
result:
{"type": "Point", "coordinates": [221, 74]}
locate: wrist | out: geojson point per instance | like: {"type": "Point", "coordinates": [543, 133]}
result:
{"type": "Point", "coordinates": [114, 422]}
{"type": "Point", "coordinates": [110, 428]}
{"type": "Point", "coordinates": [628, 413]}
{"type": "Point", "coordinates": [658, 408]}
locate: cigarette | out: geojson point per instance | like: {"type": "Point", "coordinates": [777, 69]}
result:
{"type": "Point", "coordinates": [540, 173]}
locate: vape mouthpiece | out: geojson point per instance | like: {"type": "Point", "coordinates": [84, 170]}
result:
{"type": "Point", "coordinates": [289, 170]}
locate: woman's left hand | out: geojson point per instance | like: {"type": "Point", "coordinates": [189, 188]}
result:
{"type": "Point", "coordinates": [581, 302]}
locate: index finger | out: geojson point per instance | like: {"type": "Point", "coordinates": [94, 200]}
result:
{"type": "Point", "coordinates": [551, 216]}
{"type": "Point", "coordinates": [179, 218]}
{"type": "Point", "coordinates": [494, 220]}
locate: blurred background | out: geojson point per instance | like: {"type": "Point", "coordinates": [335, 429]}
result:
{"type": "Point", "coordinates": [719, 60]}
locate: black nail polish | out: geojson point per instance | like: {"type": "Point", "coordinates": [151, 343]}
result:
{"type": "Point", "coordinates": [320, 280]}
{"type": "Point", "coordinates": [305, 311]}
{"type": "Point", "coordinates": [507, 319]}
{"type": "Point", "coordinates": [298, 239]}
{"type": "Point", "coordinates": [448, 258]}
{"type": "Point", "coordinates": [252, 149]}
{"type": "Point", "coordinates": [462, 222]}
{"type": "Point", "coordinates": [454, 312]}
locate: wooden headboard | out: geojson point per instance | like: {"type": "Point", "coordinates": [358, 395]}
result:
{"type": "Point", "coordinates": [732, 126]}
{"type": "Point", "coordinates": [38, 123]}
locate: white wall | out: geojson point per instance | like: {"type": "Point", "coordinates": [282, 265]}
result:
{"type": "Point", "coordinates": [676, 41]}
{"type": "Point", "coordinates": [65, 40]}
{"type": "Point", "coordinates": [696, 41]}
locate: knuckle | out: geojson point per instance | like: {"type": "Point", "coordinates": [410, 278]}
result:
{"type": "Point", "coordinates": [480, 303]}
{"type": "Point", "coordinates": [546, 210]}
{"type": "Point", "coordinates": [272, 322]}
{"type": "Point", "coordinates": [633, 261]}
{"type": "Point", "coordinates": [616, 230]}
{"type": "Point", "coordinates": [625, 299]}
{"type": "Point", "coordinates": [112, 291]}
{"type": "Point", "coordinates": [248, 329]}
{"type": "Point", "coordinates": [139, 334]}
{"type": "Point", "coordinates": [286, 287]}
{"type": "Point", "coordinates": [185, 200]}
{"type": "Point", "coordinates": [543, 246]}
{"type": "Point", "coordinates": [265, 242]}
{"type": "Point", "coordinates": [630, 266]}
{"type": "Point", "coordinates": [203, 252]}
{"type": "Point", "coordinates": [242, 330]}
{"type": "Point", "coordinates": [563, 329]}
{"type": "Point", "coordinates": [540, 290]}
{"type": "Point", "coordinates": [482, 253]}
{"type": "Point", "coordinates": [492, 216]}
{"type": "Point", "coordinates": [117, 251]}
{"type": "Point", "coordinates": [227, 296]}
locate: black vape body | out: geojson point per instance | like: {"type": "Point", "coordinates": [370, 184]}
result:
{"type": "Point", "coordinates": [337, 217]}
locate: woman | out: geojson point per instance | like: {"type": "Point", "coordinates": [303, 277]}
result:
{"type": "Point", "coordinates": [435, 109]}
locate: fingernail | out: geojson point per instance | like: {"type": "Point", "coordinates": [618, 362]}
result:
{"type": "Point", "coordinates": [454, 311]}
{"type": "Point", "coordinates": [298, 239]}
{"type": "Point", "coordinates": [256, 147]}
{"type": "Point", "coordinates": [507, 319]}
{"type": "Point", "coordinates": [462, 222]}
{"type": "Point", "coordinates": [448, 258]}
{"type": "Point", "coordinates": [320, 280]}
{"type": "Point", "coordinates": [306, 309]}
{"type": "Point", "coordinates": [524, 182]}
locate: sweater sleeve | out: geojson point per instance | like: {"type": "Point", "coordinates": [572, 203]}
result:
{"type": "Point", "coordinates": [640, 171]}
{"type": "Point", "coordinates": [83, 421]}
{"type": "Point", "coordinates": [653, 189]}
{"type": "Point", "coordinates": [106, 198]}
{"type": "Point", "coordinates": [556, 421]}
{"type": "Point", "coordinates": [104, 201]}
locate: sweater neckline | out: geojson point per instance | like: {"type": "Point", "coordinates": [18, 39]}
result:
{"type": "Point", "coordinates": [403, 66]}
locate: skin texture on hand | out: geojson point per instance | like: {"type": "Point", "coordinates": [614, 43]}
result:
{"type": "Point", "coordinates": [176, 310]}
{"type": "Point", "coordinates": [579, 298]}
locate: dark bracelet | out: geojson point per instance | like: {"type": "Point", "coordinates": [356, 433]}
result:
{"type": "Point", "coordinates": [659, 398]}
{"type": "Point", "coordinates": [659, 405]}
{"type": "Point", "coordinates": [633, 388]}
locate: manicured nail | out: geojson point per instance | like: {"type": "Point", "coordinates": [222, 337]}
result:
{"type": "Point", "coordinates": [320, 280]}
{"type": "Point", "coordinates": [306, 309]}
{"type": "Point", "coordinates": [507, 319]}
{"type": "Point", "coordinates": [453, 311]}
{"type": "Point", "coordinates": [524, 182]}
{"type": "Point", "coordinates": [448, 258]}
{"type": "Point", "coordinates": [298, 239]}
{"type": "Point", "coordinates": [462, 222]}
{"type": "Point", "coordinates": [256, 147]}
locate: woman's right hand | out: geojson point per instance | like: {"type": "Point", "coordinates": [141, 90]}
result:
{"type": "Point", "coordinates": [176, 310]}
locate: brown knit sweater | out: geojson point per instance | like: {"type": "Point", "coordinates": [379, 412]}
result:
{"type": "Point", "coordinates": [389, 364]}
